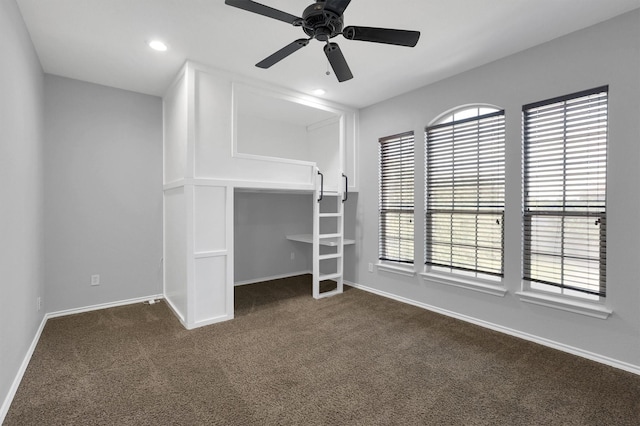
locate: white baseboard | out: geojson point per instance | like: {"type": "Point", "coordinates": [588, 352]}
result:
{"type": "Point", "coordinates": [506, 330]}
{"type": "Point", "coordinates": [208, 321]}
{"type": "Point", "coordinates": [103, 306]}
{"type": "Point", "coordinates": [275, 277]}
{"type": "Point", "coordinates": [4, 410]}
{"type": "Point", "coordinates": [27, 358]}
{"type": "Point", "coordinates": [175, 311]}
{"type": "Point", "coordinates": [201, 323]}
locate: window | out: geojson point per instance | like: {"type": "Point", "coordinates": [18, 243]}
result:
{"type": "Point", "coordinates": [396, 198]}
{"type": "Point", "coordinates": [464, 184]}
{"type": "Point", "coordinates": [564, 224]}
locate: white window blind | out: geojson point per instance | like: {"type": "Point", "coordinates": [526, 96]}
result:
{"type": "Point", "coordinates": [565, 162]}
{"type": "Point", "coordinates": [465, 194]}
{"type": "Point", "coordinates": [396, 168]}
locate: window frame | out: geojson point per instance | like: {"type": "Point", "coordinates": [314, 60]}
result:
{"type": "Point", "coordinates": [394, 199]}
{"type": "Point", "coordinates": [568, 210]}
{"type": "Point", "coordinates": [484, 114]}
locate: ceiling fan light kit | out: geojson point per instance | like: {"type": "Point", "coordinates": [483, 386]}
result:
{"type": "Point", "coordinates": [323, 21]}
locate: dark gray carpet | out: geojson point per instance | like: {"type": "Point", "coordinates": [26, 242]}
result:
{"type": "Point", "coordinates": [287, 359]}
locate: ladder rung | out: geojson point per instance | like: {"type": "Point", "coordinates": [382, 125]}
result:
{"type": "Point", "coordinates": [329, 256]}
{"type": "Point", "coordinates": [328, 293]}
{"type": "Point", "coordinates": [329, 276]}
{"type": "Point", "coordinates": [330, 214]}
{"type": "Point", "coordinates": [323, 236]}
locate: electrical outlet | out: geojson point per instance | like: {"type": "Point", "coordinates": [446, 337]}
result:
{"type": "Point", "coordinates": [95, 279]}
{"type": "Point", "coordinates": [370, 267]}
{"type": "Point", "coordinates": [293, 255]}
{"type": "Point", "coordinates": [39, 303]}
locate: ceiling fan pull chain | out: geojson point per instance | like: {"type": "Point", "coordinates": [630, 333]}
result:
{"type": "Point", "coordinates": [328, 72]}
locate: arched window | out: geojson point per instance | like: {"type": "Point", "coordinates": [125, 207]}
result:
{"type": "Point", "coordinates": [463, 113]}
{"type": "Point", "coordinates": [464, 191]}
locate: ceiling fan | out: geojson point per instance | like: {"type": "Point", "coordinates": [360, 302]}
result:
{"type": "Point", "coordinates": [323, 21]}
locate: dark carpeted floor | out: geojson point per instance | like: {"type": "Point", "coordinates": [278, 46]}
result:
{"type": "Point", "coordinates": [287, 359]}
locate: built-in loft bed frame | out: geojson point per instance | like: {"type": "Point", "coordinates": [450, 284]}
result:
{"type": "Point", "coordinates": [223, 134]}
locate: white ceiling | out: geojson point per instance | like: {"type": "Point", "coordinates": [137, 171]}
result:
{"type": "Point", "coordinates": [104, 41]}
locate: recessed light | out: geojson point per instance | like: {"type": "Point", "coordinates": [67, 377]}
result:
{"type": "Point", "coordinates": [158, 45]}
{"type": "Point", "coordinates": [319, 92]}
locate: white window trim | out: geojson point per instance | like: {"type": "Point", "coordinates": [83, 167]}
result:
{"type": "Point", "coordinates": [407, 270]}
{"type": "Point", "coordinates": [563, 303]}
{"type": "Point", "coordinates": [474, 284]}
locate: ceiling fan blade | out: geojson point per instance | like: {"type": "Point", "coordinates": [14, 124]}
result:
{"type": "Point", "coordinates": [382, 35]}
{"type": "Point", "coordinates": [337, 61]}
{"type": "Point", "coordinates": [261, 9]}
{"type": "Point", "coordinates": [283, 53]}
{"type": "Point", "coordinates": [337, 6]}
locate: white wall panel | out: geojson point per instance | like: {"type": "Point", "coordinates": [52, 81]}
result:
{"type": "Point", "coordinates": [214, 127]}
{"type": "Point", "coordinates": [259, 136]}
{"type": "Point", "coordinates": [351, 159]}
{"type": "Point", "coordinates": [324, 148]}
{"type": "Point", "coordinates": [211, 289]}
{"type": "Point", "coordinates": [213, 124]}
{"type": "Point", "coordinates": [175, 250]}
{"type": "Point", "coordinates": [175, 130]}
{"type": "Point", "coordinates": [210, 224]}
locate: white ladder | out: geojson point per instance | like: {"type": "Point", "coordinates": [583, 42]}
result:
{"type": "Point", "coordinates": [328, 238]}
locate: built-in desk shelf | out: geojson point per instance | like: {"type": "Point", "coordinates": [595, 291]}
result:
{"type": "Point", "coordinates": [308, 238]}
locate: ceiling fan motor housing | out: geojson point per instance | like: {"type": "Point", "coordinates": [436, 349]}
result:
{"type": "Point", "coordinates": [320, 23]}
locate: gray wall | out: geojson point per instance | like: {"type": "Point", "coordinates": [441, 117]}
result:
{"type": "Point", "coordinates": [21, 221]}
{"type": "Point", "coordinates": [103, 194]}
{"type": "Point", "coordinates": [261, 221]}
{"type": "Point", "coordinates": [608, 53]}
